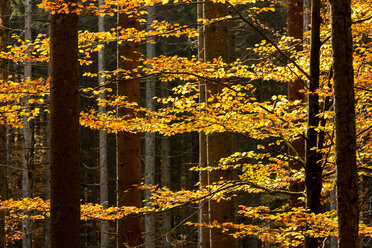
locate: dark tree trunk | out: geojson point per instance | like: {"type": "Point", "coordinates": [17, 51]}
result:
{"type": "Point", "coordinates": [204, 233]}
{"type": "Point", "coordinates": [4, 32]}
{"type": "Point", "coordinates": [313, 170]}
{"type": "Point", "coordinates": [343, 78]}
{"type": "Point", "coordinates": [128, 145]}
{"type": "Point", "coordinates": [65, 140]}
{"type": "Point", "coordinates": [295, 30]}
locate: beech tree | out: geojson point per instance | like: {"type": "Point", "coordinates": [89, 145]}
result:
{"type": "Point", "coordinates": [64, 123]}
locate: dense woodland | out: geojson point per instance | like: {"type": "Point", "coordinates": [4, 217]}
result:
{"type": "Point", "coordinates": [185, 123]}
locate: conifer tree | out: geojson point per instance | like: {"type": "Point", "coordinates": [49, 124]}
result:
{"type": "Point", "coordinates": [344, 96]}
{"type": "Point", "coordinates": [128, 144]}
{"type": "Point", "coordinates": [65, 140]}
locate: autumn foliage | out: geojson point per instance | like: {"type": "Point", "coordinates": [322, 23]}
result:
{"type": "Point", "coordinates": [271, 124]}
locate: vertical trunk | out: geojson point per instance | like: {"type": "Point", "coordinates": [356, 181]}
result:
{"type": "Point", "coordinates": [47, 243]}
{"type": "Point", "coordinates": [295, 30]}
{"type": "Point", "coordinates": [4, 32]}
{"type": "Point", "coordinates": [103, 181]}
{"type": "Point", "coordinates": [128, 145]}
{"type": "Point", "coordinates": [313, 177]}
{"type": "Point", "coordinates": [165, 152]}
{"type": "Point", "coordinates": [26, 182]}
{"type": "Point", "coordinates": [217, 43]}
{"type": "Point", "coordinates": [3, 182]}
{"type": "Point", "coordinates": [306, 14]}
{"type": "Point", "coordinates": [27, 136]}
{"type": "Point", "coordinates": [165, 149]}
{"type": "Point", "coordinates": [295, 22]}
{"type": "Point", "coordinates": [204, 233]}
{"type": "Point", "coordinates": [343, 78]}
{"type": "Point", "coordinates": [187, 183]}
{"type": "Point", "coordinates": [65, 140]}
{"type": "Point", "coordinates": [150, 137]}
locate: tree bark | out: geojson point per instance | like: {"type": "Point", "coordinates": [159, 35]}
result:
{"type": "Point", "coordinates": [47, 243]}
{"type": "Point", "coordinates": [204, 232]}
{"type": "Point", "coordinates": [128, 145]}
{"type": "Point", "coordinates": [150, 137]}
{"type": "Point", "coordinates": [27, 135]}
{"type": "Point", "coordinates": [165, 149]}
{"type": "Point", "coordinates": [3, 183]}
{"type": "Point", "coordinates": [165, 152]}
{"type": "Point", "coordinates": [343, 78]}
{"type": "Point", "coordinates": [216, 43]}
{"type": "Point", "coordinates": [295, 30]}
{"type": "Point", "coordinates": [313, 169]}
{"type": "Point", "coordinates": [103, 181]}
{"type": "Point", "coordinates": [65, 140]}
{"type": "Point", "coordinates": [4, 33]}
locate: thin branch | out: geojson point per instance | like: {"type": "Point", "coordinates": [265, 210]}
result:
{"type": "Point", "coordinates": [272, 43]}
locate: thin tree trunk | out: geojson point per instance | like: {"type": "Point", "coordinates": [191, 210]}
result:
{"type": "Point", "coordinates": [343, 78]}
{"type": "Point", "coordinates": [3, 183]}
{"type": "Point", "coordinates": [4, 32]}
{"type": "Point", "coordinates": [150, 137]}
{"type": "Point", "coordinates": [47, 243]}
{"type": "Point", "coordinates": [165, 149]}
{"type": "Point", "coordinates": [313, 170]}
{"type": "Point", "coordinates": [65, 137]}
{"type": "Point", "coordinates": [217, 43]}
{"type": "Point", "coordinates": [27, 135]}
{"type": "Point", "coordinates": [187, 183]}
{"type": "Point", "coordinates": [165, 152]}
{"type": "Point", "coordinates": [103, 186]}
{"type": "Point", "coordinates": [204, 233]}
{"type": "Point", "coordinates": [128, 145]}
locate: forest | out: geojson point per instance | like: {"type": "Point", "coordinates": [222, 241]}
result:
{"type": "Point", "coordinates": [185, 123]}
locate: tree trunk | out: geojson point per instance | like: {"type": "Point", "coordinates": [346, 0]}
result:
{"type": "Point", "coordinates": [313, 169]}
{"type": "Point", "coordinates": [47, 243]}
{"type": "Point", "coordinates": [3, 182]}
{"type": "Point", "coordinates": [306, 15]}
{"type": "Point", "coordinates": [343, 78]}
{"type": "Point", "coordinates": [65, 140]}
{"type": "Point", "coordinates": [165, 152]}
{"type": "Point", "coordinates": [150, 137]}
{"type": "Point", "coordinates": [295, 30]}
{"type": "Point", "coordinates": [103, 181]}
{"type": "Point", "coordinates": [216, 43]}
{"type": "Point", "coordinates": [165, 149]}
{"type": "Point", "coordinates": [27, 136]}
{"type": "Point", "coordinates": [295, 24]}
{"type": "Point", "coordinates": [4, 32]}
{"type": "Point", "coordinates": [128, 145]}
{"type": "Point", "coordinates": [204, 233]}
